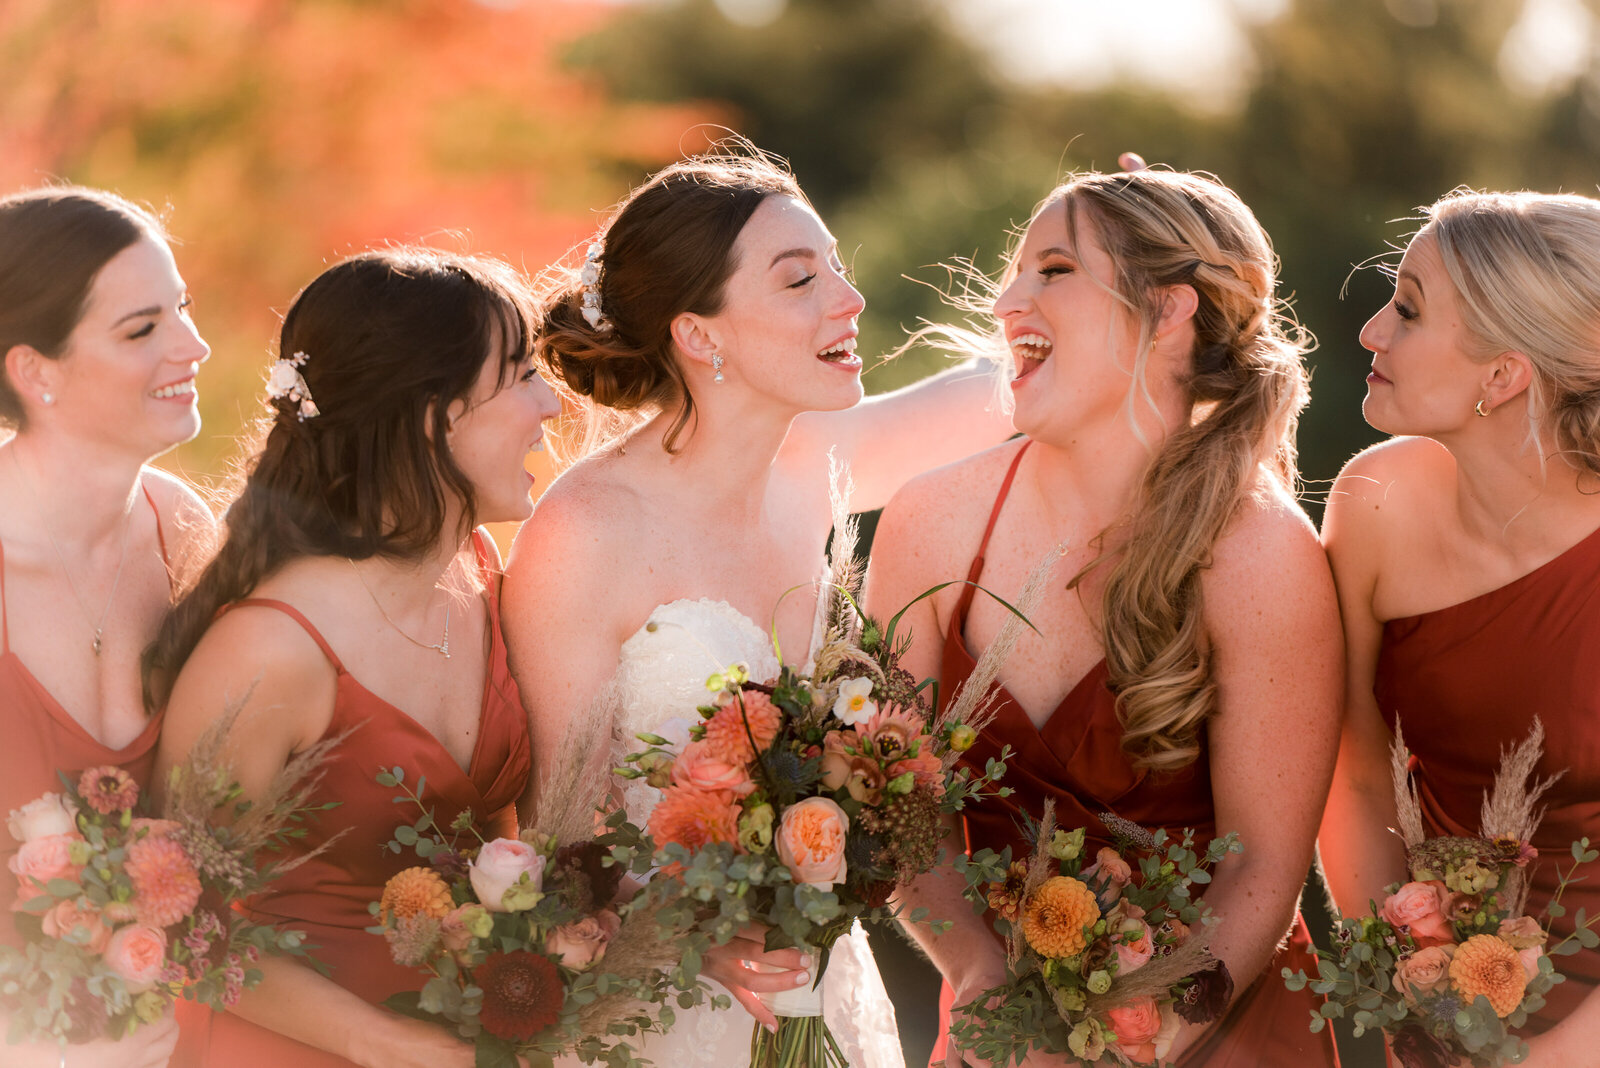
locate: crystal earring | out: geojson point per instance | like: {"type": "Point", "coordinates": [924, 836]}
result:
{"type": "Point", "coordinates": [47, 398]}
{"type": "Point", "coordinates": [716, 365]}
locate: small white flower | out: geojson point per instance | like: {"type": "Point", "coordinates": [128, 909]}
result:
{"type": "Point", "coordinates": [283, 379]}
{"type": "Point", "coordinates": [590, 274]}
{"type": "Point", "coordinates": [591, 315]}
{"type": "Point", "coordinates": [855, 705]}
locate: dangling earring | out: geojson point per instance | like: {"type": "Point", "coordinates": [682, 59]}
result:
{"type": "Point", "coordinates": [1479, 408]}
{"type": "Point", "coordinates": [47, 398]}
{"type": "Point", "coordinates": [716, 365]}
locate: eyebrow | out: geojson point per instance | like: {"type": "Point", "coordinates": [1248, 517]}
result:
{"type": "Point", "coordinates": [1408, 276]}
{"type": "Point", "coordinates": [1046, 253]}
{"type": "Point", "coordinates": [154, 309]}
{"type": "Point", "coordinates": [799, 254]}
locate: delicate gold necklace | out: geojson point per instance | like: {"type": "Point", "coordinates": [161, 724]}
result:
{"type": "Point", "coordinates": [442, 647]}
{"type": "Point", "coordinates": [122, 557]}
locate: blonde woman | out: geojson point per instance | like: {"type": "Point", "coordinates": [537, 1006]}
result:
{"type": "Point", "coordinates": [1467, 555]}
{"type": "Point", "coordinates": [1186, 668]}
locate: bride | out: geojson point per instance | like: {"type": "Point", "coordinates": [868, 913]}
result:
{"type": "Point", "coordinates": [714, 321]}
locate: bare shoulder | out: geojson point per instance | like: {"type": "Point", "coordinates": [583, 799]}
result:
{"type": "Point", "coordinates": [1391, 482]}
{"type": "Point", "coordinates": [1269, 551]}
{"type": "Point", "coordinates": [265, 655]}
{"type": "Point", "coordinates": [186, 519]}
{"type": "Point", "coordinates": [950, 499]}
{"type": "Point", "coordinates": [586, 519]}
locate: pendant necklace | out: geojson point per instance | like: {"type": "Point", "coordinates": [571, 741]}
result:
{"type": "Point", "coordinates": [442, 647]}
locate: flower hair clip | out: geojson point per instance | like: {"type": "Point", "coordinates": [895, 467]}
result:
{"type": "Point", "coordinates": [285, 380]}
{"type": "Point", "coordinates": [589, 277]}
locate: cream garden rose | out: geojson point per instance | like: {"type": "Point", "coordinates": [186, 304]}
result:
{"type": "Point", "coordinates": [41, 817]}
{"type": "Point", "coordinates": [811, 839]}
{"type": "Point", "coordinates": [501, 866]}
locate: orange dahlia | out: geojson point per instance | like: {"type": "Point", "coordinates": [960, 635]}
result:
{"type": "Point", "coordinates": [1485, 964]}
{"type": "Point", "coordinates": [166, 886]}
{"type": "Point", "coordinates": [1056, 914]}
{"type": "Point", "coordinates": [694, 818]}
{"type": "Point", "coordinates": [415, 892]}
{"type": "Point", "coordinates": [726, 731]}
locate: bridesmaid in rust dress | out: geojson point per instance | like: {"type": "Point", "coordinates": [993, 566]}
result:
{"type": "Point", "coordinates": [353, 597]}
{"type": "Point", "coordinates": [100, 360]}
{"type": "Point", "coordinates": [1186, 669]}
{"type": "Point", "coordinates": [1467, 555]}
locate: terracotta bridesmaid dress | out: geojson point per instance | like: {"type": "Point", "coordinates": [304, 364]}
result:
{"type": "Point", "coordinates": [41, 737]}
{"type": "Point", "coordinates": [1465, 682]}
{"type": "Point", "coordinates": [327, 896]}
{"type": "Point", "coordinates": [1077, 759]}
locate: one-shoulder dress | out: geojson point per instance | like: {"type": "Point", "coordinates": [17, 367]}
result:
{"type": "Point", "coordinates": [1077, 759]}
{"type": "Point", "coordinates": [327, 896]}
{"type": "Point", "coordinates": [1465, 682]}
{"type": "Point", "coordinates": [41, 738]}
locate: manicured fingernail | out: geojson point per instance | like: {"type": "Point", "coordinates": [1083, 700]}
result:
{"type": "Point", "coordinates": [802, 979]}
{"type": "Point", "coordinates": [771, 1028]}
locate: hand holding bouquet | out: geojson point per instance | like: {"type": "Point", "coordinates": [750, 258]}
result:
{"type": "Point", "coordinates": [528, 952]}
{"type": "Point", "coordinates": [1449, 962]}
{"type": "Point", "coordinates": [1105, 958]}
{"type": "Point", "coordinates": [123, 913]}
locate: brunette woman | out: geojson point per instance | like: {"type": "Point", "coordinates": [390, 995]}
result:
{"type": "Point", "coordinates": [354, 597]}
{"type": "Point", "coordinates": [99, 379]}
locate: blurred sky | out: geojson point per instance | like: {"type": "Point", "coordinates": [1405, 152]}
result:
{"type": "Point", "coordinates": [1194, 47]}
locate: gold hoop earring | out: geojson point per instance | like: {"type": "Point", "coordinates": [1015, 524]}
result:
{"type": "Point", "coordinates": [1479, 408]}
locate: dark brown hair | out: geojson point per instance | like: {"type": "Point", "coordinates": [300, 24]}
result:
{"type": "Point", "coordinates": [53, 243]}
{"type": "Point", "coordinates": [391, 338]}
{"type": "Point", "coordinates": [667, 251]}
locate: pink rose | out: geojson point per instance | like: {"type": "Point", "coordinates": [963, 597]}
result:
{"type": "Point", "coordinates": [45, 858]}
{"type": "Point", "coordinates": [1136, 1025]}
{"type": "Point", "coordinates": [583, 943]}
{"type": "Point", "coordinates": [810, 840]}
{"type": "Point", "coordinates": [1530, 961]}
{"type": "Point", "coordinates": [137, 954]}
{"type": "Point", "coordinates": [1423, 907]}
{"type": "Point", "coordinates": [499, 866]}
{"type": "Point", "coordinates": [1109, 863]}
{"type": "Point", "coordinates": [1427, 969]}
{"type": "Point", "coordinates": [1136, 947]}
{"type": "Point", "coordinates": [1524, 935]}
{"type": "Point", "coordinates": [696, 766]}
{"type": "Point", "coordinates": [65, 918]}
{"type": "Point", "coordinates": [42, 817]}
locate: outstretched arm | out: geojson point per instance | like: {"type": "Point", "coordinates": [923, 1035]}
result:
{"type": "Point", "coordinates": [890, 438]}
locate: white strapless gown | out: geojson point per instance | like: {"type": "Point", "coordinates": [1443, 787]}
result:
{"type": "Point", "coordinates": [661, 678]}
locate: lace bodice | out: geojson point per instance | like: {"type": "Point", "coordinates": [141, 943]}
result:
{"type": "Point", "coordinates": [660, 681]}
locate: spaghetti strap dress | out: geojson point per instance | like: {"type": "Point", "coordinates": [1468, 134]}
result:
{"type": "Point", "coordinates": [1465, 682]}
{"type": "Point", "coordinates": [1077, 759]}
{"type": "Point", "coordinates": [41, 738]}
{"type": "Point", "coordinates": [327, 896]}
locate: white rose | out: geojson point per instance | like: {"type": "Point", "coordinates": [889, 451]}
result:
{"type": "Point", "coordinates": [500, 866]}
{"type": "Point", "coordinates": [45, 816]}
{"type": "Point", "coordinates": [855, 705]}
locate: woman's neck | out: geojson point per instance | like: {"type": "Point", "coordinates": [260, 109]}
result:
{"type": "Point", "coordinates": [726, 451]}
{"type": "Point", "coordinates": [1507, 497]}
{"type": "Point", "coordinates": [80, 491]}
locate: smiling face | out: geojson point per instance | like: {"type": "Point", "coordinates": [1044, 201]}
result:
{"type": "Point", "coordinates": [1072, 341]}
{"type": "Point", "coordinates": [787, 329]}
{"type": "Point", "coordinates": [490, 439]}
{"type": "Point", "coordinates": [126, 374]}
{"type": "Point", "coordinates": [1422, 381]}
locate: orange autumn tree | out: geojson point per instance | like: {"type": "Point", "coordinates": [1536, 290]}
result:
{"type": "Point", "coordinates": [281, 134]}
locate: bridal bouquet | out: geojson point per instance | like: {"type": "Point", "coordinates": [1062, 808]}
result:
{"type": "Point", "coordinates": [529, 953]}
{"type": "Point", "coordinates": [800, 803]}
{"type": "Point", "coordinates": [1450, 962]}
{"type": "Point", "coordinates": [1105, 959]}
{"type": "Point", "coordinates": [122, 913]}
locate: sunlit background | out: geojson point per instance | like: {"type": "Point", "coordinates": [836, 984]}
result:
{"type": "Point", "coordinates": [278, 135]}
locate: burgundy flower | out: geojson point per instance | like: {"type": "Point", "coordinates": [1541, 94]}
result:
{"type": "Point", "coordinates": [522, 994]}
{"type": "Point", "coordinates": [1207, 997]}
{"type": "Point", "coordinates": [580, 865]}
{"type": "Point", "coordinates": [1415, 1048]}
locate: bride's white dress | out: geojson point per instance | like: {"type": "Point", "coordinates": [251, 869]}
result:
{"type": "Point", "coordinates": [660, 680]}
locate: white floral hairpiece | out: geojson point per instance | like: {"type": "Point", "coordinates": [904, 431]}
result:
{"type": "Point", "coordinates": [589, 276]}
{"type": "Point", "coordinates": [285, 380]}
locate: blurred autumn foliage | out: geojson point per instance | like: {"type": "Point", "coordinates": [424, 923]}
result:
{"type": "Point", "coordinates": [277, 135]}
